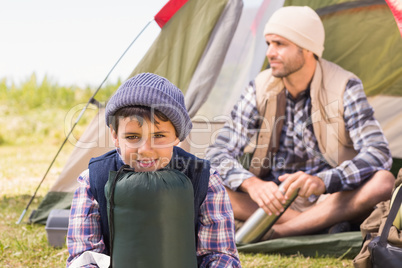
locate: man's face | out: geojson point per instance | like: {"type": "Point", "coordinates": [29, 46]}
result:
{"type": "Point", "coordinates": [146, 147]}
{"type": "Point", "coordinates": [285, 57]}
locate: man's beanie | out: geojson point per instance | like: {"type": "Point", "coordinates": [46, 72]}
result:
{"type": "Point", "coordinates": [151, 90]}
{"type": "Point", "coordinates": [300, 25]}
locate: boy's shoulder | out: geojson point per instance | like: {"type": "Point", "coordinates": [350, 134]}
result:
{"type": "Point", "coordinates": [181, 153]}
{"type": "Point", "coordinates": [108, 155]}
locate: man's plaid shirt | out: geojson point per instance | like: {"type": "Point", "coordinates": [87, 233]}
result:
{"type": "Point", "coordinates": [298, 144]}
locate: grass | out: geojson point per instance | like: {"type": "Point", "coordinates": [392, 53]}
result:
{"type": "Point", "coordinates": [26, 245]}
{"type": "Point", "coordinates": [31, 132]}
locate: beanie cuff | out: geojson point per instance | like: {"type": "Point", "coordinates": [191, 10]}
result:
{"type": "Point", "coordinates": [157, 93]}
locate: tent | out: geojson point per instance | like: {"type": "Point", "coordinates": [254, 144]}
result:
{"type": "Point", "coordinates": [184, 43]}
{"type": "Point", "coordinates": [211, 49]}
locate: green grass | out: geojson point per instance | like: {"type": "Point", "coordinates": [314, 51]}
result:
{"type": "Point", "coordinates": [36, 112]}
{"type": "Point", "coordinates": [25, 245]}
{"type": "Point", "coordinates": [31, 130]}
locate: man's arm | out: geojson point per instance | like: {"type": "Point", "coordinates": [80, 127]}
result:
{"type": "Point", "coordinates": [233, 138]}
{"type": "Point", "coordinates": [229, 145]}
{"type": "Point", "coordinates": [216, 243]}
{"type": "Point", "coordinates": [368, 140]}
{"type": "Point", "coordinates": [84, 230]}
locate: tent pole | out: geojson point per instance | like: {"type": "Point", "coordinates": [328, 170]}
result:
{"type": "Point", "coordinates": [91, 100]}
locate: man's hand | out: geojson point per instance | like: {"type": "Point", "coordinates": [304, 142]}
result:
{"type": "Point", "coordinates": [265, 194]}
{"type": "Point", "coordinates": [308, 184]}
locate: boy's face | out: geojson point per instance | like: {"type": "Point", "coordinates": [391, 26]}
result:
{"type": "Point", "coordinates": [145, 148]}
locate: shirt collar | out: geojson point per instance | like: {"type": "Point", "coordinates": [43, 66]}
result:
{"type": "Point", "coordinates": [302, 95]}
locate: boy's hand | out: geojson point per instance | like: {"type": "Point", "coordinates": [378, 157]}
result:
{"type": "Point", "coordinates": [265, 193]}
{"type": "Point", "coordinates": [308, 184]}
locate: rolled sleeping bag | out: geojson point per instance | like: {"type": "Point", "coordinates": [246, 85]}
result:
{"type": "Point", "coordinates": [152, 221]}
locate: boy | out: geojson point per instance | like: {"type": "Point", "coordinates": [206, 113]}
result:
{"type": "Point", "coordinates": [147, 119]}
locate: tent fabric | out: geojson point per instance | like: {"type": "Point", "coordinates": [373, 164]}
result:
{"type": "Point", "coordinates": [243, 61]}
{"type": "Point", "coordinates": [212, 59]}
{"type": "Point", "coordinates": [345, 245]}
{"type": "Point", "coordinates": [167, 11]}
{"type": "Point", "coordinates": [196, 19]}
{"type": "Point", "coordinates": [52, 200]}
{"type": "Point", "coordinates": [388, 111]}
{"type": "Point", "coordinates": [396, 8]}
{"type": "Point", "coordinates": [345, 40]}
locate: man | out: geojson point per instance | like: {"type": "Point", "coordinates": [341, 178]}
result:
{"type": "Point", "coordinates": [315, 132]}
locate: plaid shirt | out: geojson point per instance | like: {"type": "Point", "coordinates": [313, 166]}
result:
{"type": "Point", "coordinates": [215, 237]}
{"type": "Point", "coordinates": [299, 147]}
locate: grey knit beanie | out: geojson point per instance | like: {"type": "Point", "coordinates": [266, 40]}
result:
{"type": "Point", "coordinates": [154, 91]}
{"type": "Point", "coordinates": [300, 25]}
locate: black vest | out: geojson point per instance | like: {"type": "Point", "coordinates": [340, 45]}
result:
{"type": "Point", "coordinates": [196, 169]}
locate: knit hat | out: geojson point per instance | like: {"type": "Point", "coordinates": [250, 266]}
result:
{"type": "Point", "coordinates": [151, 90]}
{"type": "Point", "coordinates": [300, 25]}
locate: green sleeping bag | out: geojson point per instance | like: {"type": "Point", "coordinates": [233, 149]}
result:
{"type": "Point", "coordinates": [151, 219]}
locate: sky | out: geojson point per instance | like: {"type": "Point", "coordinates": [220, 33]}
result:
{"type": "Point", "coordinates": [74, 42]}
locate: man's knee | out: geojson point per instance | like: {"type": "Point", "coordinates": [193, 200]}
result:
{"type": "Point", "coordinates": [231, 193]}
{"type": "Point", "coordinates": [242, 204]}
{"type": "Point", "coordinates": [381, 184]}
{"type": "Point", "coordinates": [386, 179]}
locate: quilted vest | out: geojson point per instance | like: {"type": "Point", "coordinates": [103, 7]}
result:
{"type": "Point", "coordinates": [326, 90]}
